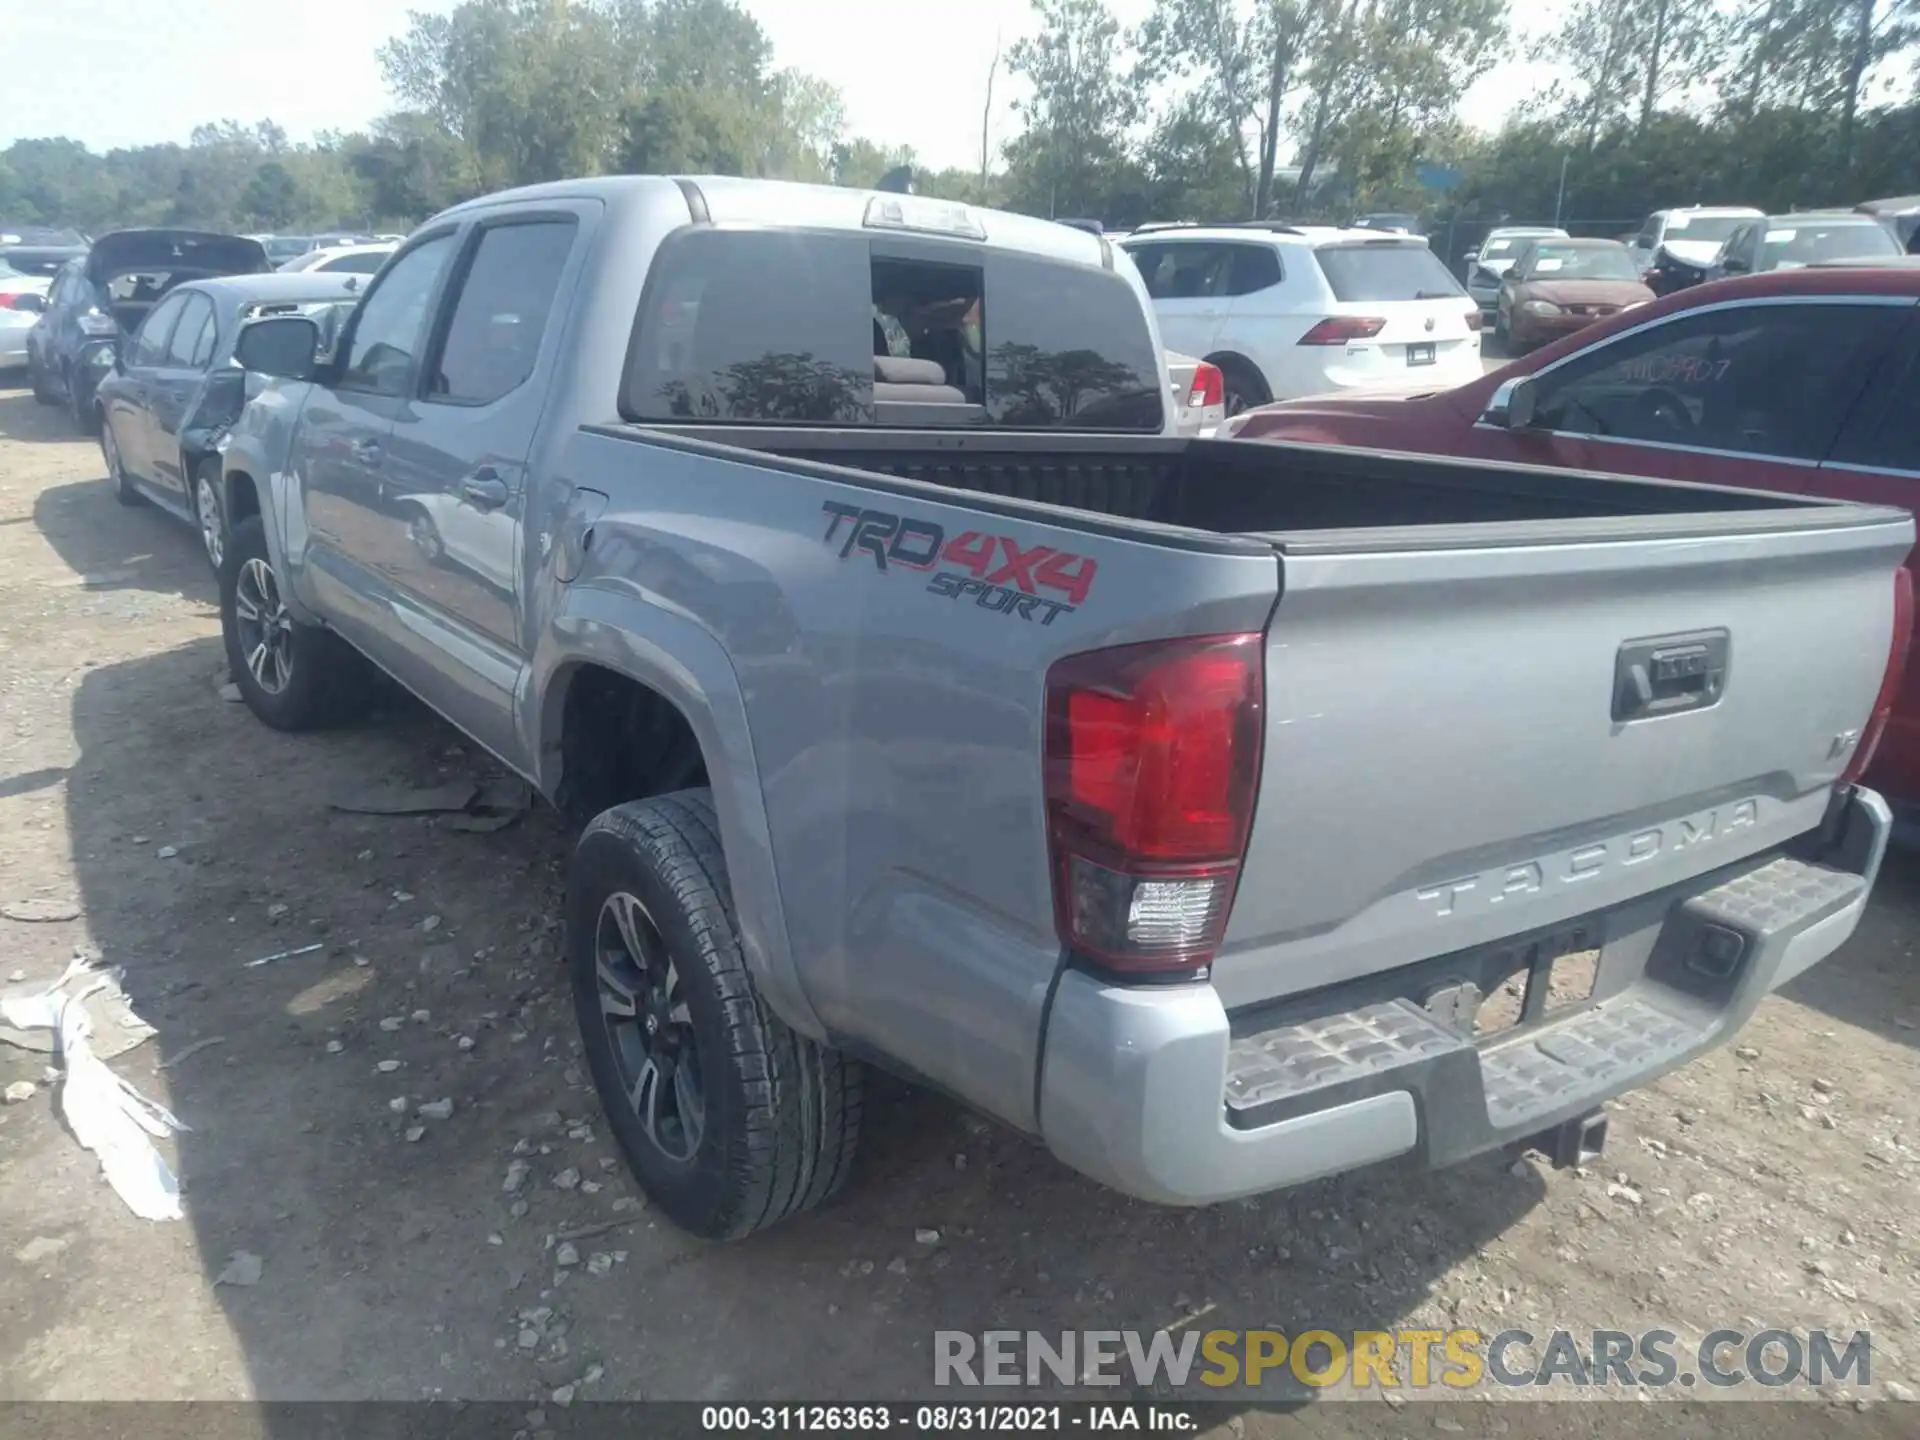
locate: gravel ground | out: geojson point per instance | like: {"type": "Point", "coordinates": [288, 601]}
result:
{"type": "Point", "coordinates": [500, 1252]}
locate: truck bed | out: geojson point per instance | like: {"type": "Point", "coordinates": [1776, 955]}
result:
{"type": "Point", "coordinates": [1448, 760]}
{"type": "Point", "coordinates": [1304, 499]}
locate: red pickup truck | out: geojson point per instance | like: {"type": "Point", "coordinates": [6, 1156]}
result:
{"type": "Point", "coordinates": [1806, 381]}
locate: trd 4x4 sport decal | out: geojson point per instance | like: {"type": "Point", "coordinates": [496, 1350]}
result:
{"type": "Point", "coordinates": [995, 571]}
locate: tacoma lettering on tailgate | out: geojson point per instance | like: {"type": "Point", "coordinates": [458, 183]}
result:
{"type": "Point", "coordinates": [1556, 872]}
{"type": "Point", "coordinates": [996, 572]}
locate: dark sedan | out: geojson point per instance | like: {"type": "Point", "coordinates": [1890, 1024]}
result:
{"type": "Point", "coordinates": [98, 301]}
{"type": "Point", "coordinates": [174, 390]}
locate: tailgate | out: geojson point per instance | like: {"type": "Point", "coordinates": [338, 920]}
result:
{"type": "Point", "coordinates": [1449, 759]}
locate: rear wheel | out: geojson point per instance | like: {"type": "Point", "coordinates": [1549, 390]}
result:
{"type": "Point", "coordinates": [37, 378]}
{"type": "Point", "coordinates": [209, 513]}
{"type": "Point", "coordinates": [730, 1120]}
{"type": "Point", "coordinates": [80, 405]}
{"type": "Point", "coordinates": [1245, 388]}
{"type": "Point", "coordinates": [123, 490]}
{"type": "Point", "coordinates": [292, 676]}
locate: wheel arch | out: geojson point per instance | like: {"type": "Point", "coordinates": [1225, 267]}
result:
{"type": "Point", "coordinates": [239, 494]}
{"type": "Point", "coordinates": [1231, 361]}
{"type": "Point", "coordinates": [671, 673]}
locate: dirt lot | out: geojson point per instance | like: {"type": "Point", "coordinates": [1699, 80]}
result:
{"type": "Point", "coordinates": [1770, 1186]}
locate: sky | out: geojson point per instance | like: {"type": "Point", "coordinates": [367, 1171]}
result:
{"type": "Point", "coordinates": [912, 71]}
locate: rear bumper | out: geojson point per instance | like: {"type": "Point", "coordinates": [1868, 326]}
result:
{"type": "Point", "coordinates": [1161, 1094]}
{"type": "Point", "coordinates": [13, 343]}
{"type": "Point", "coordinates": [1539, 329]}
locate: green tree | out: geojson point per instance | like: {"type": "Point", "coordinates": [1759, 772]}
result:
{"type": "Point", "coordinates": [272, 197]}
{"type": "Point", "coordinates": [1072, 155]}
{"type": "Point", "coordinates": [1236, 63]}
{"type": "Point", "coordinates": [1632, 57]}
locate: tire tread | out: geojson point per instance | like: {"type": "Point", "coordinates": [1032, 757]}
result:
{"type": "Point", "coordinates": [802, 1116]}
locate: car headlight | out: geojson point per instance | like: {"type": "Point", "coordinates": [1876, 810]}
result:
{"type": "Point", "coordinates": [100, 357]}
{"type": "Point", "coordinates": [1541, 307]}
{"type": "Point", "coordinates": [94, 323]}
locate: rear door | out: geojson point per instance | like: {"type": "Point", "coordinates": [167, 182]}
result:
{"type": "Point", "coordinates": [457, 463]}
{"type": "Point", "coordinates": [1750, 393]}
{"type": "Point", "coordinates": [127, 393]}
{"type": "Point", "coordinates": [1188, 280]}
{"type": "Point", "coordinates": [171, 388]}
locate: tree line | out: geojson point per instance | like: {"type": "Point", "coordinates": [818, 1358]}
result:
{"type": "Point", "coordinates": [1210, 109]}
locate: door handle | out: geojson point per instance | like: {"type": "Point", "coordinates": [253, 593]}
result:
{"type": "Point", "coordinates": [484, 490]}
{"type": "Point", "coordinates": [1670, 674]}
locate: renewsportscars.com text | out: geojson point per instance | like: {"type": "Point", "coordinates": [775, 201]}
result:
{"type": "Point", "coordinates": [1403, 1359]}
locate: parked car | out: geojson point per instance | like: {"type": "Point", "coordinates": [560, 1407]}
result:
{"type": "Point", "coordinates": [97, 301]}
{"type": "Point", "coordinates": [1171, 800]}
{"type": "Point", "coordinates": [1559, 286]}
{"type": "Point", "coordinates": [1691, 235]}
{"type": "Point", "coordinates": [1488, 261]}
{"type": "Point", "coordinates": [282, 248]}
{"type": "Point", "coordinates": [1286, 310]}
{"type": "Point", "coordinates": [1199, 394]}
{"type": "Point", "coordinates": [1785, 242]}
{"type": "Point", "coordinates": [41, 237]}
{"type": "Point", "coordinates": [1796, 381]}
{"type": "Point", "coordinates": [1901, 214]}
{"type": "Point", "coordinates": [26, 275]}
{"type": "Point", "coordinates": [342, 259]}
{"type": "Point", "coordinates": [174, 391]}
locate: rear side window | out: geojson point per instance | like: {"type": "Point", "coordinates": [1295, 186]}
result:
{"type": "Point", "coordinates": [740, 326]}
{"type": "Point", "coordinates": [1369, 273]}
{"type": "Point", "coordinates": [1890, 441]}
{"type": "Point", "coordinates": [801, 328]}
{"type": "Point", "coordinates": [150, 340]}
{"type": "Point", "coordinates": [1255, 267]}
{"type": "Point", "coordinates": [196, 321]}
{"type": "Point", "coordinates": [501, 312]}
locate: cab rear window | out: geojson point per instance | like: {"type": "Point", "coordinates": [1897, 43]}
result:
{"type": "Point", "coordinates": [792, 327]}
{"type": "Point", "coordinates": [1385, 272]}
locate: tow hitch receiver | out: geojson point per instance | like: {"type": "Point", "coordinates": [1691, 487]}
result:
{"type": "Point", "coordinates": [1572, 1142]}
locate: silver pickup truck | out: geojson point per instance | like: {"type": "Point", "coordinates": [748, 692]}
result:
{"type": "Point", "coordinates": [1221, 815]}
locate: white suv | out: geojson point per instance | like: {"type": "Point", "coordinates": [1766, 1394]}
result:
{"type": "Point", "coordinates": [1292, 310]}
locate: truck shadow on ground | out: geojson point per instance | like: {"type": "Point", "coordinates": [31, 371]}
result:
{"type": "Point", "coordinates": [150, 551]}
{"type": "Point", "coordinates": [1873, 982]}
{"type": "Point", "coordinates": [26, 420]}
{"type": "Point", "coordinates": [396, 1264]}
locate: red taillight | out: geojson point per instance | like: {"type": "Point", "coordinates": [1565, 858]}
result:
{"type": "Point", "coordinates": [1339, 329]}
{"type": "Point", "coordinates": [1876, 725]}
{"type": "Point", "coordinates": [20, 301]}
{"type": "Point", "coordinates": [1209, 387]}
{"type": "Point", "coordinates": [1475, 319]}
{"type": "Point", "coordinates": [1152, 752]}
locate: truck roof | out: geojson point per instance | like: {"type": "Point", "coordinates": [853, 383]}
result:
{"type": "Point", "coordinates": [1281, 234]}
{"type": "Point", "coordinates": [732, 200]}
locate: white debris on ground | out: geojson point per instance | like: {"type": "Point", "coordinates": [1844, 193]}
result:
{"type": "Point", "coordinates": [106, 1114]}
